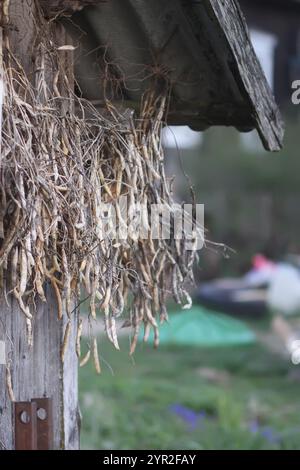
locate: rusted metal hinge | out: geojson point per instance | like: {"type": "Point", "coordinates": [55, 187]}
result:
{"type": "Point", "coordinates": [34, 424]}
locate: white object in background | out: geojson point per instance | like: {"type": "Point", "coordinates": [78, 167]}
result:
{"type": "Point", "coordinates": [181, 137]}
{"type": "Point", "coordinates": [257, 277]}
{"type": "Point", "coordinates": [284, 291]}
{"type": "Point", "coordinates": [264, 45]}
{"type": "Point", "coordinates": [291, 339]}
{"type": "Point", "coordinates": [2, 353]}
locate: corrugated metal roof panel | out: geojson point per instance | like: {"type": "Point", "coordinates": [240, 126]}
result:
{"type": "Point", "coordinates": [204, 48]}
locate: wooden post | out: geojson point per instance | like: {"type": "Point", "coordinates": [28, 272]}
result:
{"type": "Point", "coordinates": [36, 372]}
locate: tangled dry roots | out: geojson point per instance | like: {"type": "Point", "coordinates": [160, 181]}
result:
{"type": "Point", "coordinates": [60, 161]}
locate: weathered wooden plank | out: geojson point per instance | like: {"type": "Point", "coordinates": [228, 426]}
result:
{"type": "Point", "coordinates": [38, 371]}
{"type": "Point", "coordinates": [6, 426]}
{"type": "Point", "coordinates": [22, 16]}
{"type": "Point", "coordinates": [249, 71]}
{"type": "Point", "coordinates": [69, 398]}
{"type": "Point", "coordinates": [1, 82]}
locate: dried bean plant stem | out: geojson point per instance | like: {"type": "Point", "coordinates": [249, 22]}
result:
{"type": "Point", "coordinates": [58, 170]}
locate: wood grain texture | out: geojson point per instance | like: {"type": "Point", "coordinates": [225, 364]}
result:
{"type": "Point", "coordinates": [248, 70]}
{"type": "Point", "coordinates": [38, 371]}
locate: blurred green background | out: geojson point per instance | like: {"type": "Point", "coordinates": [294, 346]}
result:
{"type": "Point", "coordinates": [244, 397]}
{"type": "Point", "coordinates": [251, 197]}
{"type": "Point", "coordinates": [187, 398]}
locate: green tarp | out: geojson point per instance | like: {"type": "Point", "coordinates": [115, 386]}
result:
{"type": "Point", "coordinates": [203, 328]}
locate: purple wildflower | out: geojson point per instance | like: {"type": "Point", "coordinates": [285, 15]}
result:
{"type": "Point", "coordinates": [268, 433]}
{"type": "Point", "coordinates": [192, 418]}
{"type": "Point", "coordinates": [254, 426]}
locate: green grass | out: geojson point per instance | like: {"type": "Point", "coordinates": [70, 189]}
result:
{"type": "Point", "coordinates": [132, 408]}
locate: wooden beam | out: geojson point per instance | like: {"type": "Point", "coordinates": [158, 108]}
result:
{"type": "Point", "coordinates": [248, 71]}
{"type": "Point", "coordinates": [2, 91]}
{"type": "Point", "coordinates": [37, 371]}
{"type": "Point", "coordinates": [54, 8]}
